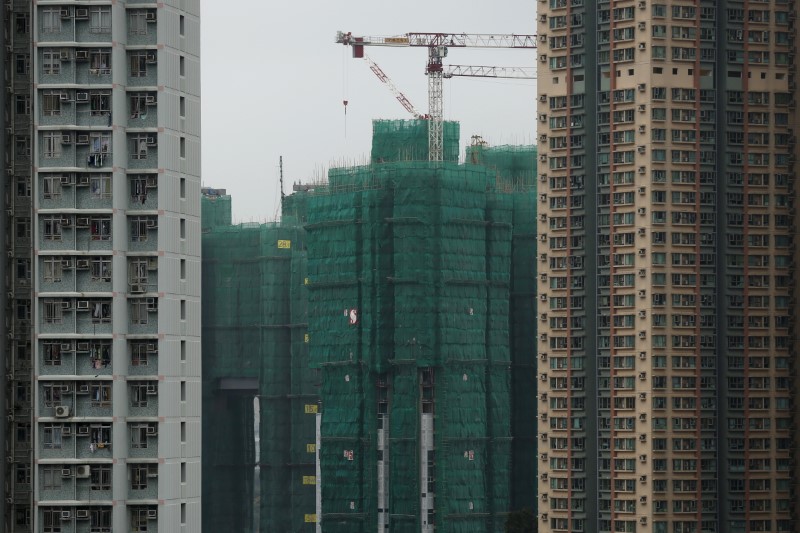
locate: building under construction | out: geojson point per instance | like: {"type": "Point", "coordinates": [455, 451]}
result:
{"type": "Point", "coordinates": [385, 329]}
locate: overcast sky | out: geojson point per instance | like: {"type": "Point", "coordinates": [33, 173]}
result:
{"type": "Point", "coordinates": [274, 80]}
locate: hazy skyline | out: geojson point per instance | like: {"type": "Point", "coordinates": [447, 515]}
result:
{"type": "Point", "coordinates": [274, 80]}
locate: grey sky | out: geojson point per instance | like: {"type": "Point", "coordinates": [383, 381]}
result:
{"type": "Point", "coordinates": [274, 80]}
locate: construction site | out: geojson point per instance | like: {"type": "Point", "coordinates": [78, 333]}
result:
{"type": "Point", "coordinates": [369, 359]}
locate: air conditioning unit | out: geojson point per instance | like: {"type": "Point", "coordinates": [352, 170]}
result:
{"type": "Point", "coordinates": [642, 294]}
{"type": "Point", "coordinates": [642, 108]}
{"type": "Point", "coordinates": [643, 396]}
{"type": "Point", "coordinates": [66, 515]}
{"type": "Point", "coordinates": [543, 337]}
{"type": "Point", "coordinates": [66, 12]}
{"type": "Point", "coordinates": [643, 520]}
{"type": "Point", "coordinates": [136, 288]}
{"type": "Point", "coordinates": [543, 237]}
{"type": "Point", "coordinates": [543, 178]}
{"type": "Point", "coordinates": [82, 55]}
{"type": "Point", "coordinates": [543, 377]}
{"type": "Point", "coordinates": [542, 297]}
{"type": "Point", "coordinates": [543, 356]}
{"type": "Point", "coordinates": [66, 138]}
{"type": "Point", "coordinates": [642, 46]}
{"type": "Point", "coordinates": [83, 389]}
{"type": "Point", "coordinates": [543, 277]}
{"type": "Point", "coordinates": [151, 182]}
{"type": "Point", "coordinates": [643, 458]}
{"type": "Point", "coordinates": [82, 514]}
{"type": "Point", "coordinates": [543, 197]}
{"type": "Point", "coordinates": [64, 56]}
{"type": "Point", "coordinates": [642, 170]}
{"type": "Point", "coordinates": [83, 430]}
{"type": "Point", "coordinates": [542, 18]}
{"type": "Point", "coordinates": [543, 58]}
{"type": "Point", "coordinates": [642, 376]}
{"type": "Point", "coordinates": [151, 57]}
{"type": "Point", "coordinates": [543, 476]}
{"type": "Point", "coordinates": [543, 138]}
{"type": "Point", "coordinates": [544, 515]}
{"type": "Point", "coordinates": [82, 471]}
{"type": "Point", "coordinates": [642, 211]}
{"type": "Point", "coordinates": [543, 317]}
{"type": "Point", "coordinates": [66, 431]}
{"type": "Point", "coordinates": [642, 314]}
{"type": "Point", "coordinates": [82, 264]}
{"type": "Point", "coordinates": [643, 437]}
{"type": "Point", "coordinates": [542, 257]}
{"type": "Point", "coordinates": [542, 117]}
{"type": "Point", "coordinates": [152, 347]}
{"type": "Point", "coordinates": [641, 87]}
{"type": "Point", "coordinates": [150, 16]}
{"type": "Point", "coordinates": [81, 13]}
{"type": "Point", "coordinates": [543, 98]}
{"type": "Point", "coordinates": [544, 496]}
{"type": "Point", "coordinates": [62, 411]}
{"type": "Point", "coordinates": [543, 37]}
{"type": "Point", "coordinates": [66, 472]}
{"type": "Point", "coordinates": [642, 355]}
{"type": "Point", "coordinates": [83, 304]}
{"type": "Point", "coordinates": [641, 148]}
{"type": "Point", "coordinates": [152, 304]}
{"type": "Point", "coordinates": [543, 396]}
{"type": "Point", "coordinates": [643, 499]}
{"type": "Point", "coordinates": [82, 140]}
{"type": "Point", "coordinates": [543, 158]}
{"type": "Point", "coordinates": [152, 514]}
{"type": "Point", "coordinates": [642, 252]}
{"type": "Point", "coordinates": [642, 129]}
{"type": "Point", "coordinates": [642, 232]}
{"type": "Point", "coordinates": [150, 100]}
{"type": "Point", "coordinates": [152, 389]}
{"type": "Point", "coordinates": [543, 217]}
{"type": "Point", "coordinates": [151, 430]}
{"type": "Point", "coordinates": [543, 417]}
{"type": "Point", "coordinates": [83, 179]}
{"type": "Point", "coordinates": [642, 25]}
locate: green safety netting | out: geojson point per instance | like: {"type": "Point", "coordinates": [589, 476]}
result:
{"type": "Point", "coordinates": [255, 337]}
{"type": "Point", "coordinates": [415, 265]}
{"type": "Point", "coordinates": [391, 268]}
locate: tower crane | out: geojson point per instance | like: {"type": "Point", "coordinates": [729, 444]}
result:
{"type": "Point", "coordinates": [438, 45]}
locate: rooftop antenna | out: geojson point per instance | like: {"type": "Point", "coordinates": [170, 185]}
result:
{"type": "Point", "coordinates": [280, 164]}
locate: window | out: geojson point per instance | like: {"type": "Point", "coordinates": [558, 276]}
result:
{"type": "Point", "coordinates": [182, 25]}
{"type": "Point", "coordinates": [138, 62]}
{"type": "Point", "coordinates": [139, 518]}
{"type": "Point", "coordinates": [139, 434]}
{"type": "Point", "coordinates": [99, 62]}
{"type": "Point", "coordinates": [140, 473]}
{"type": "Point", "coordinates": [101, 312]}
{"type": "Point", "coordinates": [140, 226]}
{"type": "Point", "coordinates": [139, 144]}
{"type": "Point", "coordinates": [137, 22]}
{"type": "Point", "coordinates": [22, 104]}
{"type": "Point", "coordinates": [52, 394]}
{"type": "Point", "coordinates": [22, 23]}
{"type": "Point", "coordinates": [22, 146]}
{"type": "Point", "coordinates": [51, 187]}
{"type": "Point", "coordinates": [51, 61]}
{"type": "Point", "coordinates": [22, 64]}
{"type": "Point", "coordinates": [51, 478]}
{"type": "Point", "coordinates": [141, 391]}
{"type": "Point", "coordinates": [52, 226]}
{"type": "Point", "coordinates": [100, 356]}
{"type": "Point", "coordinates": [139, 353]}
{"type": "Point", "coordinates": [23, 270]}
{"type": "Point", "coordinates": [100, 103]}
{"type": "Point", "coordinates": [100, 434]}
{"type": "Point", "coordinates": [52, 144]}
{"type": "Point", "coordinates": [100, 521]}
{"type": "Point", "coordinates": [53, 312]}
{"type": "Point", "coordinates": [139, 311]}
{"type": "Point", "coordinates": [183, 188]}
{"type": "Point", "coordinates": [182, 106]}
{"type": "Point", "coordinates": [51, 437]}
{"type": "Point", "coordinates": [100, 269]}
{"type": "Point", "coordinates": [52, 353]}
{"type": "Point", "coordinates": [137, 271]}
{"type": "Point", "coordinates": [100, 186]}
{"type": "Point", "coordinates": [183, 228]}
{"type": "Point", "coordinates": [100, 20]}
{"type": "Point", "coordinates": [139, 104]}
{"type": "Point", "coordinates": [100, 477]}
{"type": "Point", "coordinates": [51, 103]}
{"type": "Point", "coordinates": [183, 65]}
{"type": "Point", "coordinates": [51, 20]}
{"type": "Point", "coordinates": [53, 269]}
{"type": "Point", "coordinates": [23, 228]}
{"type": "Point", "coordinates": [100, 392]}
{"type": "Point", "coordinates": [183, 269]}
{"type": "Point", "coordinates": [183, 147]}
{"type": "Point", "coordinates": [100, 228]}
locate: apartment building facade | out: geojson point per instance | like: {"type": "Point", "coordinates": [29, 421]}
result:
{"type": "Point", "coordinates": [665, 347]}
{"type": "Point", "coordinates": [105, 358]}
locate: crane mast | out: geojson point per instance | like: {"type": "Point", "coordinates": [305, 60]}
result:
{"type": "Point", "coordinates": [437, 45]}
